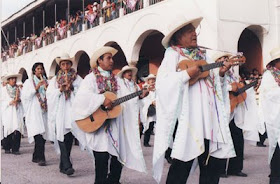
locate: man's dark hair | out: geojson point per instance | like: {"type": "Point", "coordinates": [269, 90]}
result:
{"type": "Point", "coordinates": [174, 40]}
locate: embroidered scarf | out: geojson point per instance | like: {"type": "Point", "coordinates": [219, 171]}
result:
{"type": "Point", "coordinates": [41, 93]}
{"type": "Point", "coordinates": [105, 83]}
{"type": "Point", "coordinates": [275, 72]}
{"type": "Point", "coordinates": [61, 78]}
{"type": "Point", "coordinates": [193, 53]}
{"type": "Point", "coordinates": [12, 91]}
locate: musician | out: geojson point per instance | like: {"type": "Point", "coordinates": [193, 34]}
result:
{"type": "Point", "coordinates": [243, 121]}
{"type": "Point", "coordinates": [199, 109]}
{"type": "Point", "coordinates": [148, 110]}
{"type": "Point", "coordinates": [35, 107]}
{"type": "Point", "coordinates": [61, 94]}
{"type": "Point", "coordinates": [117, 138]}
{"type": "Point", "coordinates": [270, 108]}
{"type": "Point", "coordinates": [12, 117]}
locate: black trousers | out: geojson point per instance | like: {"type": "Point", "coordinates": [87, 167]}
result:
{"type": "Point", "coordinates": [101, 168]}
{"type": "Point", "coordinates": [147, 134]}
{"type": "Point", "coordinates": [169, 150]}
{"type": "Point", "coordinates": [236, 164]}
{"type": "Point", "coordinates": [12, 141]}
{"type": "Point", "coordinates": [39, 150]}
{"type": "Point", "coordinates": [262, 138]}
{"type": "Point", "coordinates": [275, 166]}
{"type": "Point", "coordinates": [209, 172]}
{"type": "Point", "coordinates": [65, 151]}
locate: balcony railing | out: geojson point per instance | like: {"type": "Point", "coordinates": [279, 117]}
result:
{"type": "Point", "coordinates": [87, 21]}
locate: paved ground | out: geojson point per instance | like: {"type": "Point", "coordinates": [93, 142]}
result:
{"type": "Point", "coordinates": [20, 169]}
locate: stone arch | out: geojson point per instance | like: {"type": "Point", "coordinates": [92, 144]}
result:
{"type": "Point", "coordinates": [119, 58]}
{"type": "Point", "coordinates": [250, 43]}
{"type": "Point", "coordinates": [24, 74]}
{"type": "Point", "coordinates": [54, 68]}
{"type": "Point", "coordinates": [140, 30]}
{"type": "Point", "coordinates": [149, 51]}
{"type": "Point", "coordinates": [82, 63]}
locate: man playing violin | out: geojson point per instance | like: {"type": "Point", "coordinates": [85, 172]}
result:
{"type": "Point", "coordinates": [199, 109]}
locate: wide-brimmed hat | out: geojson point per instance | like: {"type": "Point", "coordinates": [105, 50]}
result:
{"type": "Point", "coordinates": [64, 57]}
{"type": "Point", "coordinates": [11, 75]}
{"type": "Point", "coordinates": [126, 68]}
{"type": "Point", "coordinates": [219, 54]}
{"type": "Point", "coordinates": [177, 24]}
{"type": "Point", "coordinates": [274, 54]}
{"type": "Point", "coordinates": [95, 4]}
{"type": "Point", "coordinates": [150, 76]}
{"type": "Point", "coordinates": [100, 52]}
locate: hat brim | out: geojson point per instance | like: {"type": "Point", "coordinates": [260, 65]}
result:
{"type": "Point", "coordinates": [5, 79]}
{"type": "Point", "coordinates": [100, 52]}
{"type": "Point", "coordinates": [58, 60]}
{"type": "Point", "coordinates": [216, 57]}
{"type": "Point", "coordinates": [147, 78]}
{"type": "Point", "coordinates": [273, 59]}
{"type": "Point", "coordinates": [167, 37]}
{"type": "Point", "coordinates": [133, 69]}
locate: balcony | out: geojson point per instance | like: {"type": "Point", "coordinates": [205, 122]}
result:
{"type": "Point", "coordinates": [81, 23]}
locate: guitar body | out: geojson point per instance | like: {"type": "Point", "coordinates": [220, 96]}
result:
{"type": "Point", "coordinates": [184, 64]}
{"type": "Point", "coordinates": [235, 100]}
{"type": "Point", "coordinates": [97, 119]}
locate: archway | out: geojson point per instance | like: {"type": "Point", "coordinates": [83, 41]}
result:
{"type": "Point", "coordinates": [23, 72]}
{"type": "Point", "coordinates": [54, 69]}
{"type": "Point", "coordinates": [150, 54]}
{"type": "Point", "coordinates": [119, 59]}
{"type": "Point", "coordinates": [83, 66]}
{"type": "Point", "coordinates": [250, 44]}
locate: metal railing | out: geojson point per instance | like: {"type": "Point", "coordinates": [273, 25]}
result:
{"type": "Point", "coordinates": [108, 13]}
{"type": "Point", "coordinates": [151, 2]}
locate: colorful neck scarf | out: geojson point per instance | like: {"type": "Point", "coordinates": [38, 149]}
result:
{"type": "Point", "coordinates": [61, 78]}
{"type": "Point", "coordinates": [12, 91]}
{"type": "Point", "coordinates": [275, 72]}
{"type": "Point", "coordinates": [105, 83]}
{"type": "Point", "coordinates": [42, 99]}
{"type": "Point", "coordinates": [193, 53]}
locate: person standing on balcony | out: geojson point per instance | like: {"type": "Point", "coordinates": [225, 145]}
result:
{"type": "Point", "coordinates": [12, 117]}
{"type": "Point", "coordinates": [35, 107]}
{"type": "Point", "coordinates": [61, 94]}
{"type": "Point", "coordinates": [270, 109]}
{"type": "Point", "coordinates": [114, 139]}
{"type": "Point", "coordinates": [202, 131]}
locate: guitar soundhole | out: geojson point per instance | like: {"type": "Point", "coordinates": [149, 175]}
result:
{"type": "Point", "coordinates": [91, 118]}
{"type": "Point", "coordinates": [103, 107]}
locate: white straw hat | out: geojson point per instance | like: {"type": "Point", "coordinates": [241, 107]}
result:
{"type": "Point", "coordinates": [126, 68]}
{"type": "Point", "coordinates": [177, 24]}
{"type": "Point", "coordinates": [11, 75]}
{"type": "Point", "coordinates": [100, 52]}
{"type": "Point", "coordinates": [64, 57]}
{"type": "Point", "coordinates": [150, 76]}
{"type": "Point", "coordinates": [274, 54]}
{"type": "Point", "coordinates": [219, 54]}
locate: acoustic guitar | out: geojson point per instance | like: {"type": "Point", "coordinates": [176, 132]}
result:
{"type": "Point", "coordinates": [97, 118]}
{"type": "Point", "coordinates": [205, 67]}
{"type": "Point", "coordinates": [240, 95]}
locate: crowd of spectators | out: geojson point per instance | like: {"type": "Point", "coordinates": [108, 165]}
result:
{"type": "Point", "coordinates": [108, 10]}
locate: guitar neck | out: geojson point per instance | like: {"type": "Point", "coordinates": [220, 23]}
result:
{"type": "Point", "coordinates": [211, 66]}
{"type": "Point", "coordinates": [127, 97]}
{"type": "Point", "coordinates": [241, 90]}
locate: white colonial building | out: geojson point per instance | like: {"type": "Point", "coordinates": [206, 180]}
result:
{"type": "Point", "coordinates": [249, 26]}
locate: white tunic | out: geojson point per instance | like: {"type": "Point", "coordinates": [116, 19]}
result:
{"type": "Point", "coordinates": [12, 116]}
{"type": "Point", "coordinates": [60, 118]}
{"type": "Point", "coordinates": [35, 117]}
{"type": "Point", "coordinates": [200, 113]}
{"type": "Point", "coordinates": [270, 108]}
{"type": "Point", "coordinates": [245, 114]}
{"type": "Point", "coordinates": [145, 103]}
{"type": "Point", "coordinates": [121, 140]}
